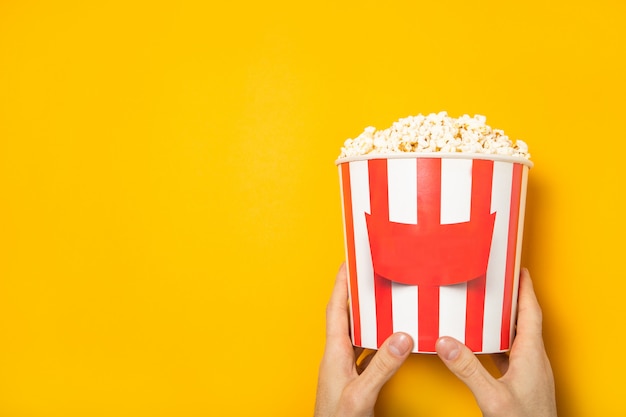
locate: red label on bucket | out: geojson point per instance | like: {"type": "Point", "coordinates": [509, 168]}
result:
{"type": "Point", "coordinates": [430, 253]}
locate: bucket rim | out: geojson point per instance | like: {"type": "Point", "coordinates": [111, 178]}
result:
{"type": "Point", "coordinates": [441, 155]}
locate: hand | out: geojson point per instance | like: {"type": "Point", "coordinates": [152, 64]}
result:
{"type": "Point", "coordinates": [344, 388]}
{"type": "Point", "coordinates": [526, 387]}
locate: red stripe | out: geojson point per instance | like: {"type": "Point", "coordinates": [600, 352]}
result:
{"type": "Point", "coordinates": [428, 212]}
{"type": "Point", "coordinates": [516, 189]}
{"type": "Point", "coordinates": [475, 313]}
{"type": "Point", "coordinates": [482, 178]}
{"type": "Point", "coordinates": [384, 317]}
{"type": "Point", "coordinates": [427, 317]}
{"type": "Point", "coordinates": [379, 204]}
{"type": "Point", "coordinates": [349, 224]}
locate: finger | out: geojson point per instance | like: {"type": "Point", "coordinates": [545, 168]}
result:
{"type": "Point", "coordinates": [384, 364]}
{"type": "Point", "coordinates": [529, 319]}
{"type": "Point", "coordinates": [464, 364]}
{"type": "Point", "coordinates": [337, 324]}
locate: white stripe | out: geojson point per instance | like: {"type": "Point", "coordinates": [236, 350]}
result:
{"type": "Point", "coordinates": [452, 310]}
{"type": "Point", "coordinates": [404, 309]}
{"type": "Point", "coordinates": [518, 250]}
{"type": "Point", "coordinates": [402, 185]}
{"type": "Point", "coordinates": [456, 204]}
{"type": "Point", "coordinates": [456, 190]}
{"type": "Point", "coordinates": [345, 235]}
{"type": "Point", "coordinates": [494, 291]}
{"type": "Point", "coordinates": [359, 186]}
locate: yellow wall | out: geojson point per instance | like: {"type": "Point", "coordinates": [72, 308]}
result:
{"type": "Point", "coordinates": [169, 205]}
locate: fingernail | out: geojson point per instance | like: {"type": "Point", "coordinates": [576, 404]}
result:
{"type": "Point", "coordinates": [448, 348]}
{"type": "Point", "coordinates": [399, 344]}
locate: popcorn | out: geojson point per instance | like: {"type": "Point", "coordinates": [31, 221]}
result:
{"type": "Point", "coordinates": [435, 133]}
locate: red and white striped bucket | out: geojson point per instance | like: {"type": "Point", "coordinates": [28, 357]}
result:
{"type": "Point", "coordinates": [433, 245]}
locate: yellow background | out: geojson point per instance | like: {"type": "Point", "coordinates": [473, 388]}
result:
{"type": "Point", "coordinates": [169, 205]}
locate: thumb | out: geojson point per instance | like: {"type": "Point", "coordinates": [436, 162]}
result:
{"type": "Point", "coordinates": [464, 364]}
{"type": "Point", "coordinates": [384, 364]}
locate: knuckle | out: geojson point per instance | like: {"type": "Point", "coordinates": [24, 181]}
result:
{"type": "Point", "coordinates": [467, 367]}
{"type": "Point", "coordinates": [539, 312]}
{"type": "Point", "coordinates": [382, 363]}
{"type": "Point", "coordinates": [498, 404]}
{"type": "Point", "coordinates": [351, 398]}
{"type": "Point", "coordinates": [329, 309]}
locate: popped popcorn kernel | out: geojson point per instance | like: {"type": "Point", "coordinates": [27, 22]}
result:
{"type": "Point", "coordinates": [436, 132]}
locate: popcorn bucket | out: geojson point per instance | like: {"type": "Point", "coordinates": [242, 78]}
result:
{"type": "Point", "coordinates": [433, 245]}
